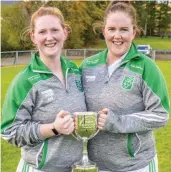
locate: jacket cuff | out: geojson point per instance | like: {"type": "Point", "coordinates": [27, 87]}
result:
{"type": "Point", "coordinates": [40, 138]}
{"type": "Point", "coordinates": [108, 125]}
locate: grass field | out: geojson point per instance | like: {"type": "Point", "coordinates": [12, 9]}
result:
{"type": "Point", "coordinates": [155, 42]}
{"type": "Point", "coordinates": [11, 155]}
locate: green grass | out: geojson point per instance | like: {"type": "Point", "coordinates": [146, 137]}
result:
{"type": "Point", "coordinates": [163, 135]}
{"type": "Point", "coordinates": [11, 155]}
{"type": "Point", "coordinates": [155, 42]}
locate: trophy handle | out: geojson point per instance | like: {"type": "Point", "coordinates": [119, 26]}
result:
{"type": "Point", "coordinates": [97, 130]}
{"type": "Point", "coordinates": [94, 134]}
{"type": "Point", "coordinates": [74, 134]}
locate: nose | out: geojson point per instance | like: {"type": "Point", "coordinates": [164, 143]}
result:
{"type": "Point", "coordinates": [49, 36]}
{"type": "Point", "coordinates": [117, 34]}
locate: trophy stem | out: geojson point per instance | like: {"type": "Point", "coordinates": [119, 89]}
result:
{"type": "Point", "coordinates": [85, 152]}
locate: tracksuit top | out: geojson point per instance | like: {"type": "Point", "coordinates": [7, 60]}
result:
{"type": "Point", "coordinates": [35, 97]}
{"type": "Point", "coordinates": [137, 99]}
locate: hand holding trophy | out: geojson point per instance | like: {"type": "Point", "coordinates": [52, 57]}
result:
{"type": "Point", "coordinates": [85, 129]}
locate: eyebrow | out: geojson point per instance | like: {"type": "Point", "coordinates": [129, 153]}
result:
{"type": "Point", "coordinates": [120, 27]}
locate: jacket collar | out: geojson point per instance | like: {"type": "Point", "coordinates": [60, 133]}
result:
{"type": "Point", "coordinates": [132, 53]}
{"type": "Point", "coordinates": [38, 66]}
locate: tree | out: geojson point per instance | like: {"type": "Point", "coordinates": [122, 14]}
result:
{"type": "Point", "coordinates": [80, 15]}
{"type": "Point", "coordinates": [13, 21]}
{"type": "Point", "coordinates": [163, 17]}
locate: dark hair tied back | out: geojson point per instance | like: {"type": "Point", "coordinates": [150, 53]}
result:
{"type": "Point", "coordinates": [115, 2]}
{"type": "Point", "coordinates": [125, 7]}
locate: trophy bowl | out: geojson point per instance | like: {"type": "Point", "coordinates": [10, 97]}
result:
{"type": "Point", "coordinates": [85, 129]}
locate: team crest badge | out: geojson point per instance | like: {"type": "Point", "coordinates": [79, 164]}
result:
{"type": "Point", "coordinates": [127, 82]}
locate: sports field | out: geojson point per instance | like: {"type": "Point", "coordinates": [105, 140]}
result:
{"type": "Point", "coordinates": [155, 42]}
{"type": "Point", "coordinates": [11, 155]}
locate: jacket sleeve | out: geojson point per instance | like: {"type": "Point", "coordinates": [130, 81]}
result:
{"type": "Point", "coordinates": [156, 102]}
{"type": "Point", "coordinates": [17, 126]}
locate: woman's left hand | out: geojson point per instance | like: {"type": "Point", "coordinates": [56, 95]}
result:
{"type": "Point", "coordinates": [103, 115]}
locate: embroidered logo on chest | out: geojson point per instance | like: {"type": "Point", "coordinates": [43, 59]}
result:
{"type": "Point", "coordinates": [90, 78]}
{"type": "Point", "coordinates": [79, 85]}
{"type": "Point", "coordinates": [127, 82]}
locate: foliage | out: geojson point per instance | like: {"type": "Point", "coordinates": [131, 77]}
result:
{"type": "Point", "coordinates": [154, 19]}
{"type": "Point", "coordinates": [13, 21]}
{"type": "Point", "coordinates": [163, 18]}
{"type": "Point", "coordinates": [79, 15]}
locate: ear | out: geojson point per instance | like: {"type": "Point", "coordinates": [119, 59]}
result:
{"type": "Point", "coordinates": [65, 33]}
{"type": "Point", "coordinates": [103, 31]}
{"type": "Point", "coordinates": [32, 37]}
{"type": "Point", "coordinates": [134, 34]}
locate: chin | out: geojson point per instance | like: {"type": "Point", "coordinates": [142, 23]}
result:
{"type": "Point", "coordinates": [118, 55]}
{"type": "Point", "coordinates": [52, 55]}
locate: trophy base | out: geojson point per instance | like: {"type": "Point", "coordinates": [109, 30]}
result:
{"type": "Point", "coordinates": [85, 169]}
{"type": "Point", "coordinates": [88, 167]}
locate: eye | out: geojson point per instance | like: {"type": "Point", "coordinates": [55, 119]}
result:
{"type": "Point", "coordinates": [124, 29]}
{"type": "Point", "coordinates": [55, 30]}
{"type": "Point", "coordinates": [42, 32]}
{"type": "Point", "coordinates": [111, 29]}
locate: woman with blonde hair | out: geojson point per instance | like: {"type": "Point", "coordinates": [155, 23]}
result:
{"type": "Point", "coordinates": [40, 98]}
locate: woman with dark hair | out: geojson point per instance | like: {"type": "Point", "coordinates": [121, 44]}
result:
{"type": "Point", "coordinates": [129, 91]}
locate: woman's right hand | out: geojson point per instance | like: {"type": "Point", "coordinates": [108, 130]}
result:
{"type": "Point", "coordinates": [64, 123]}
{"type": "Point", "coordinates": [103, 115]}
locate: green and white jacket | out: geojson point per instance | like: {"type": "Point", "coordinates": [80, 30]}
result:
{"type": "Point", "coordinates": [35, 97]}
{"type": "Point", "coordinates": [137, 99]}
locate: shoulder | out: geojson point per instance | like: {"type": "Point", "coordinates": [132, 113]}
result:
{"type": "Point", "coordinates": [95, 60]}
{"type": "Point", "coordinates": [148, 64]}
{"type": "Point", "coordinates": [73, 68]}
{"type": "Point", "coordinates": [142, 64]}
{"type": "Point", "coordinates": [69, 63]}
{"type": "Point", "coordinates": [21, 81]}
{"type": "Point", "coordinates": [22, 76]}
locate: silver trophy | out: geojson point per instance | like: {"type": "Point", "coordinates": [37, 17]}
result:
{"type": "Point", "coordinates": [85, 129]}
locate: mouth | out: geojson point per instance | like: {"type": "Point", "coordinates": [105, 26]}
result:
{"type": "Point", "coordinates": [50, 45]}
{"type": "Point", "coordinates": [118, 43]}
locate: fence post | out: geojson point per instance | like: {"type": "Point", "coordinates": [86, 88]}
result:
{"type": "Point", "coordinates": [16, 58]}
{"type": "Point", "coordinates": [84, 53]}
{"type": "Point", "coordinates": [154, 55]}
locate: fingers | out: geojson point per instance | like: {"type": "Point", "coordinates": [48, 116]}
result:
{"type": "Point", "coordinates": [67, 125]}
{"type": "Point", "coordinates": [70, 129]}
{"type": "Point", "coordinates": [101, 121]}
{"type": "Point", "coordinates": [105, 110]}
{"type": "Point", "coordinates": [62, 114]}
{"type": "Point", "coordinates": [67, 121]}
{"type": "Point", "coordinates": [103, 115]}
{"type": "Point", "coordinates": [64, 123]}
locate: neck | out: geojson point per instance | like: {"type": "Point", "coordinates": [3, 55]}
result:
{"type": "Point", "coordinates": [111, 59]}
{"type": "Point", "coordinates": [55, 65]}
{"type": "Point", "coordinates": [52, 63]}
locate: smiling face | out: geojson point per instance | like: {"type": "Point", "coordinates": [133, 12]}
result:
{"type": "Point", "coordinates": [49, 36]}
{"type": "Point", "coordinates": [119, 33]}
